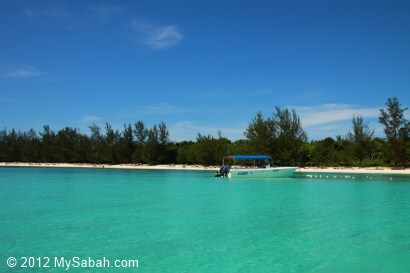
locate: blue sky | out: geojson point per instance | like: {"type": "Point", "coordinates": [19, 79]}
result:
{"type": "Point", "coordinates": [201, 66]}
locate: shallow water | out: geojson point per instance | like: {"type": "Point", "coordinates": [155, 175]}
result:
{"type": "Point", "coordinates": [189, 221]}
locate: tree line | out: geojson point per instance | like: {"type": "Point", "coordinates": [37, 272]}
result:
{"type": "Point", "coordinates": [280, 135]}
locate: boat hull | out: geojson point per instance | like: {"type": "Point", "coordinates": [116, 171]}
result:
{"type": "Point", "coordinates": [276, 172]}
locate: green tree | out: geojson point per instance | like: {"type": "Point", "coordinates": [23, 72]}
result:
{"type": "Point", "coordinates": [261, 134]}
{"type": "Point", "coordinates": [156, 147]}
{"type": "Point", "coordinates": [290, 137]}
{"type": "Point", "coordinates": [96, 145]}
{"type": "Point", "coordinates": [204, 150]}
{"type": "Point", "coordinates": [281, 136]}
{"type": "Point", "coordinates": [378, 152]}
{"type": "Point", "coordinates": [361, 138]}
{"type": "Point", "coordinates": [240, 146]}
{"type": "Point", "coordinates": [185, 152]}
{"type": "Point", "coordinates": [209, 150]}
{"type": "Point", "coordinates": [342, 152]}
{"type": "Point", "coordinates": [221, 147]}
{"type": "Point", "coordinates": [397, 130]}
{"type": "Point", "coordinates": [306, 154]}
{"type": "Point", "coordinates": [68, 145]}
{"type": "Point", "coordinates": [112, 138]}
{"type": "Point", "coordinates": [12, 146]}
{"type": "Point", "coordinates": [126, 145]}
{"type": "Point", "coordinates": [141, 134]}
{"type": "Point", "coordinates": [164, 143]}
{"type": "Point", "coordinates": [151, 148]}
{"type": "Point", "coordinates": [31, 148]}
{"type": "Point", "coordinates": [324, 152]}
{"type": "Point", "coordinates": [48, 148]}
{"type": "Point", "coordinates": [3, 146]}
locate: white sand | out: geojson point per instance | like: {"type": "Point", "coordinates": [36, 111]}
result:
{"type": "Point", "coordinates": [372, 170]}
{"type": "Point", "coordinates": [108, 166]}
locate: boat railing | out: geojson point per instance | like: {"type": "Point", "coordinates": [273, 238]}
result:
{"type": "Point", "coordinates": [250, 166]}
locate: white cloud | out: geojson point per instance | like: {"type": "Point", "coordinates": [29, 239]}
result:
{"type": "Point", "coordinates": [328, 113]}
{"type": "Point", "coordinates": [329, 120]}
{"type": "Point", "coordinates": [156, 37]}
{"type": "Point", "coordinates": [162, 108]}
{"type": "Point", "coordinates": [23, 73]}
{"type": "Point", "coordinates": [89, 119]}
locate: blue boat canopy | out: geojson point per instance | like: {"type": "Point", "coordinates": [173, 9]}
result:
{"type": "Point", "coordinates": [244, 157]}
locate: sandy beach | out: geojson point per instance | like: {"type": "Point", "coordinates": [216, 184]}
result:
{"type": "Point", "coordinates": [355, 170]}
{"type": "Point", "coordinates": [108, 166]}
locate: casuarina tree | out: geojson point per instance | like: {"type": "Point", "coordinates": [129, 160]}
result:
{"type": "Point", "coordinates": [397, 130]}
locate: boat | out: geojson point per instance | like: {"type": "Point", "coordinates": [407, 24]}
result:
{"type": "Point", "coordinates": [260, 167]}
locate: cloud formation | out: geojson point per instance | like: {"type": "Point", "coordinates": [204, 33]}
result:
{"type": "Point", "coordinates": [89, 119]}
{"type": "Point", "coordinates": [328, 113]}
{"type": "Point", "coordinates": [161, 109]}
{"type": "Point", "coordinates": [156, 37]}
{"type": "Point", "coordinates": [327, 120]}
{"type": "Point", "coordinates": [23, 73]}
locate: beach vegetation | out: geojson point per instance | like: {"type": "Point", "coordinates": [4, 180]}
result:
{"type": "Point", "coordinates": [141, 134]}
{"type": "Point", "coordinates": [280, 135]}
{"type": "Point", "coordinates": [185, 152]}
{"type": "Point", "coordinates": [209, 150]}
{"type": "Point", "coordinates": [155, 148]}
{"type": "Point", "coordinates": [360, 138]}
{"type": "Point", "coordinates": [397, 131]}
{"type": "Point", "coordinates": [260, 134]}
{"type": "Point", "coordinates": [290, 137]}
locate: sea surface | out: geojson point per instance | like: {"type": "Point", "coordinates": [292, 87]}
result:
{"type": "Point", "coordinates": [189, 221]}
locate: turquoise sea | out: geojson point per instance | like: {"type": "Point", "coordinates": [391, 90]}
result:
{"type": "Point", "coordinates": [189, 221]}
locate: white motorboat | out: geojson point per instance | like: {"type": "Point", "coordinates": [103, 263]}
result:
{"type": "Point", "coordinates": [260, 167]}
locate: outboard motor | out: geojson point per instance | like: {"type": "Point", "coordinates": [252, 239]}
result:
{"type": "Point", "coordinates": [223, 171]}
{"type": "Point", "coordinates": [219, 173]}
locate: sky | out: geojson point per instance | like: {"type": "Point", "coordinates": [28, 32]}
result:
{"type": "Point", "coordinates": [201, 66]}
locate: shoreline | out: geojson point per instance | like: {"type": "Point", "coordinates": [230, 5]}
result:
{"type": "Point", "coordinates": [110, 166]}
{"type": "Point", "coordinates": [353, 170]}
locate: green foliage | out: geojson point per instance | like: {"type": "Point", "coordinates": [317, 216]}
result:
{"type": "Point", "coordinates": [324, 152]}
{"type": "Point", "coordinates": [126, 145]}
{"type": "Point", "coordinates": [290, 137]}
{"type": "Point", "coordinates": [261, 134]}
{"type": "Point", "coordinates": [210, 151]}
{"type": "Point", "coordinates": [280, 136]}
{"type": "Point", "coordinates": [141, 134]}
{"type": "Point", "coordinates": [360, 138]}
{"type": "Point", "coordinates": [397, 130]}
{"type": "Point", "coordinates": [68, 145]}
{"type": "Point", "coordinates": [185, 152]}
{"type": "Point", "coordinates": [240, 146]}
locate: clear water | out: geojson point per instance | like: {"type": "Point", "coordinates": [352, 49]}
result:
{"type": "Point", "coordinates": [189, 221]}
